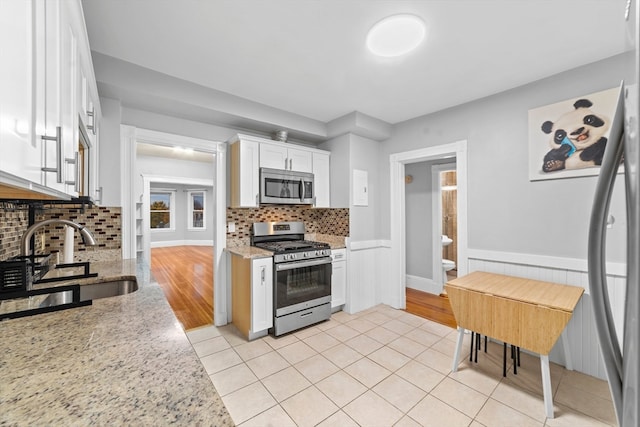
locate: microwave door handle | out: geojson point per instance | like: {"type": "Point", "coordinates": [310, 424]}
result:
{"type": "Point", "coordinates": [301, 189]}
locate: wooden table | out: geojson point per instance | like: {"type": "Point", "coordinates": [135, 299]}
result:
{"type": "Point", "coordinates": [530, 314]}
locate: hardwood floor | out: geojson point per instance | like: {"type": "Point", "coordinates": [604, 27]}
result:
{"type": "Point", "coordinates": [429, 306]}
{"type": "Point", "coordinates": [185, 274]}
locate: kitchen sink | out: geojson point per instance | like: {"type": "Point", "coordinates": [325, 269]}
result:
{"type": "Point", "coordinates": [91, 292]}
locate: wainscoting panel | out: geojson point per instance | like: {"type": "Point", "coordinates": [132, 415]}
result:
{"type": "Point", "coordinates": [368, 281]}
{"type": "Point", "coordinates": [581, 332]}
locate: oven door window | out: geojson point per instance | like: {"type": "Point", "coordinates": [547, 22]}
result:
{"type": "Point", "coordinates": [301, 284]}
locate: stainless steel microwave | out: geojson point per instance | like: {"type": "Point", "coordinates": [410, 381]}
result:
{"type": "Point", "coordinates": [286, 187]}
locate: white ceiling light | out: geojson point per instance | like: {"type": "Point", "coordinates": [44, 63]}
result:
{"type": "Point", "coordinates": [396, 35]}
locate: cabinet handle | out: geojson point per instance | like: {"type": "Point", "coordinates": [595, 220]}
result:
{"type": "Point", "coordinates": [263, 274]}
{"type": "Point", "coordinates": [92, 126]}
{"type": "Point", "coordinates": [99, 191]}
{"type": "Point", "coordinates": [58, 140]}
{"type": "Point", "coordinates": [290, 164]}
{"type": "Point", "coordinates": [74, 161]}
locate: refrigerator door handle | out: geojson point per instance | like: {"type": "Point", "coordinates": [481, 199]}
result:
{"type": "Point", "coordinates": [605, 327]}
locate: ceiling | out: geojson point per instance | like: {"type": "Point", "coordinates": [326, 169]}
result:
{"type": "Point", "coordinates": [308, 57]}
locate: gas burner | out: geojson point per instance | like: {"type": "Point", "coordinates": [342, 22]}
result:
{"type": "Point", "coordinates": [286, 246]}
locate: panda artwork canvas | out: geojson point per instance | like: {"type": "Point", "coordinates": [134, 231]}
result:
{"type": "Point", "coordinates": [568, 139]}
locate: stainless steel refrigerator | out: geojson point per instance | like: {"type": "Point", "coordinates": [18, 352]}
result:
{"type": "Point", "coordinates": [622, 365]}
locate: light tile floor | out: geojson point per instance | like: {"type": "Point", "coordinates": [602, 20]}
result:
{"type": "Point", "coordinates": [385, 367]}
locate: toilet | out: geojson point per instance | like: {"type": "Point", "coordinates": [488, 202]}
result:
{"type": "Point", "coordinates": [447, 265]}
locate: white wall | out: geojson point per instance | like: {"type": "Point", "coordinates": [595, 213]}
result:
{"type": "Point", "coordinates": [109, 150]}
{"type": "Point", "coordinates": [363, 220]}
{"type": "Point", "coordinates": [181, 235]}
{"type": "Point", "coordinates": [529, 229]}
{"type": "Point", "coordinates": [419, 219]}
{"type": "Point", "coordinates": [340, 170]}
{"type": "Point", "coordinates": [506, 211]}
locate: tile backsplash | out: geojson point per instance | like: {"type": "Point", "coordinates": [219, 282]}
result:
{"type": "Point", "coordinates": [14, 220]}
{"type": "Point", "coordinates": [104, 222]}
{"type": "Point", "coordinates": [324, 221]}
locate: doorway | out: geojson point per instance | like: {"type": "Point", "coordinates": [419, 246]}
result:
{"type": "Point", "coordinates": [178, 239]}
{"type": "Point", "coordinates": [454, 151]}
{"type": "Point", "coordinates": [131, 184]}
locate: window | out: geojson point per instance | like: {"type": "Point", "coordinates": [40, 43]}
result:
{"type": "Point", "coordinates": [195, 215]}
{"type": "Point", "coordinates": [162, 210]}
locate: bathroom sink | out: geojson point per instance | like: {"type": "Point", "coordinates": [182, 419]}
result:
{"type": "Point", "coordinates": [93, 291]}
{"type": "Point", "coordinates": [446, 241]}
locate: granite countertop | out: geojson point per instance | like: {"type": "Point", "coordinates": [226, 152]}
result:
{"type": "Point", "coordinates": [335, 242]}
{"type": "Point", "coordinates": [124, 360]}
{"type": "Point", "coordinates": [250, 252]}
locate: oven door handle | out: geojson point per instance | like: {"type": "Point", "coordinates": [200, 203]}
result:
{"type": "Point", "coordinates": [301, 264]}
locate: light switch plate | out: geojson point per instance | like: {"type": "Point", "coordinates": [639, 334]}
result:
{"type": "Point", "coordinates": [231, 227]}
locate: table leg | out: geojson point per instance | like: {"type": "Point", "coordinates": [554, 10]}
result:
{"type": "Point", "coordinates": [456, 355]}
{"type": "Point", "coordinates": [546, 385]}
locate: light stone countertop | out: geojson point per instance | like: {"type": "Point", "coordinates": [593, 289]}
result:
{"type": "Point", "coordinates": [336, 242]}
{"type": "Point", "coordinates": [123, 360]}
{"type": "Point", "coordinates": [249, 252]}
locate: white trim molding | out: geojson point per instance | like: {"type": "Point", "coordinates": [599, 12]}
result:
{"type": "Point", "coordinates": [129, 136]}
{"type": "Point", "coordinates": [398, 206]}
{"type": "Point", "coordinates": [423, 284]}
{"type": "Point", "coordinates": [559, 263]}
{"type": "Point", "coordinates": [171, 243]}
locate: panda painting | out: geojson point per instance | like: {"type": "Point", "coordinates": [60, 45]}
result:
{"type": "Point", "coordinates": [577, 138]}
{"type": "Point", "coordinates": [567, 139]}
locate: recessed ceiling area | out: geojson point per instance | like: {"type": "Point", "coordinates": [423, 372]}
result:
{"type": "Point", "coordinates": [309, 58]}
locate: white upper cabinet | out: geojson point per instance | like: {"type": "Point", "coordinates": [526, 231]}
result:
{"type": "Point", "coordinates": [281, 157]}
{"type": "Point", "coordinates": [69, 79]}
{"type": "Point", "coordinates": [18, 143]}
{"type": "Point", "coordinates": [321, 178]}
{"type": "Point", "coordinates": [42, 44]}
{"type": "Point", "coordinates": [245, 167]}
{"type": "Point", "coordinates": [249, 153]}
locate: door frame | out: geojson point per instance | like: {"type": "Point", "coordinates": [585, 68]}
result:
{"type": "Point", "coordinates": [457, 150]}
{"type": "Point", "coordinates": [129, 137]}
{"type": "Point", "coordinates": [436, 171]}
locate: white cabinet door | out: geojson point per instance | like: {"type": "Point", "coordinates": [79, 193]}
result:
{"type": "Point", "coordinates": [300, 160]}
{"type": "Point", "coordinates": [69, 85]}
{"type": "Point", "coordinates": [244, 174]}
{"type": "Point", "coordinates": [261, 294]}
{"type": "Point", "coordinates": [338, 277]}
{"type": "Point", "coordinates": [18, 143]}
{"type": "Point", "coordinates": [273, 156]}
{"type": "Point", "coordinates": [321, 179]}
{"type": "Point", "coordinates": [278, 157]}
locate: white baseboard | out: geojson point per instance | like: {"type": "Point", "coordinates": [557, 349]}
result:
{"type": "Point", "coordinates": [423, 284]}
{"type": "Point", "coordinates": [169, 243]}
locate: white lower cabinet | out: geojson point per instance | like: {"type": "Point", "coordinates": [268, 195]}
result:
{"type": "Point", "coordinates": [252, 295]}
{"type": "Point", "coordinates": [338, 278]}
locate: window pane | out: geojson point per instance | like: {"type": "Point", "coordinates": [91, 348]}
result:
{"type": "Point", "coordinates": [198, 219]}
{"type": "Point", "coordinates": [198, 202]}
{"type": "Point", "coordinates": [160, 207]}
{"type": "Point", "coordinates": [160, 220]}
{"type": "Point", "coordinates": [160, 201]}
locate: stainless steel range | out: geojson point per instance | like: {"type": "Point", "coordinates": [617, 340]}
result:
{"type": "Point", "coordinates": [301, 275]}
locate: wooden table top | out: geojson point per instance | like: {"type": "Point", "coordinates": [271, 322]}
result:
{"type": "Point", "coordinates": [547, 294]}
